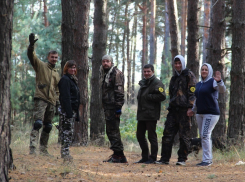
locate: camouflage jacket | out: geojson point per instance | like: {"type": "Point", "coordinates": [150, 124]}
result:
{"type": "Point", "coordinates": [47, 78]}
{"type": "Point", "coordinates": [181, 90]}
{"type": "Point", "coordinates": [150, 96]}
{"type": "Point", "coordinates": [113, 91]}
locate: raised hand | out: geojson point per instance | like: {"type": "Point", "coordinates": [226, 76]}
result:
{"type": "Point", "coordinates": [217, 76]}
{"type": "Point", "coordinates": [32, 39]}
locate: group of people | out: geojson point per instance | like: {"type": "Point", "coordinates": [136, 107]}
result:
{"type": "Point", "coordinates": [186, 98]}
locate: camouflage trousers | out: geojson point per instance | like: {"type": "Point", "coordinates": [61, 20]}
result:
{"type": "Point", "coordinates": [113, 131]}
{"type": "Point", "coordinates": [177, 121]}
{"type": "Point", "coordinates": [43, 111]}
{"type": "Point", "coordinates": [67, 130]}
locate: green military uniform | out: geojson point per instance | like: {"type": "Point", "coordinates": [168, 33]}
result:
{"type": "Point", "coordinates": [45, 98]}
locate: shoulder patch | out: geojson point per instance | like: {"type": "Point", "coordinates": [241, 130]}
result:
{"type": "Point", "coordinates": [192, 89]}
{"type": "Point", "coordinates": [161, 89]}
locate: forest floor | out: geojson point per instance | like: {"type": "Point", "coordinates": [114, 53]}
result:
{"type": "Point", "coordinates": [88, 166]}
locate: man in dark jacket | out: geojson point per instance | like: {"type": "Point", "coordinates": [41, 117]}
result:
{"type": "Point", "coordinates": [150, 96]}
{"type": "Point", "coordinates": [112, 81]}
{"type": "Point", "coordinates": [181, 92]}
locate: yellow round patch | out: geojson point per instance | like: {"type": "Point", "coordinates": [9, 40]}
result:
{"type": "Point", "coordinates": [161, 89]}
{"type": "Point", "coordinates": [192, 89]}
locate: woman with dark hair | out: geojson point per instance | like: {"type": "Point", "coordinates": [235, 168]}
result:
{"type": "Point", "coordinates": [69, 102]}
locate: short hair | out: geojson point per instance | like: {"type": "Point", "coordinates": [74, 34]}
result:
{"type": "Point", "coordinates": [149, 66]}
{"type": "Point", "coordinates": [176, 59]}
{"type": "Point", "coordinates": [68, 65]}
{"type": "Point", "coordinates": [52, 52]}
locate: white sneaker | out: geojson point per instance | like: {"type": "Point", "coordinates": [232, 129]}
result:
{"type": "Point", "coordinates": [180, 163]}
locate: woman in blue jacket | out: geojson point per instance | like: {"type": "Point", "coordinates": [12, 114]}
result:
{"type": "Point", "coordinates": [207, 108]}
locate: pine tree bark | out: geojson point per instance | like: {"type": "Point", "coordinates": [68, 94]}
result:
{"type": "Point", "coordinates": [236, 126]}
{"type": "Point", "coordinates": [45, 11]}
{"type": "Point", "coordinates": [183, 25]}
{"type": "Point", "coordinates": [6, 28]}
{"type": "Point", "coordinates": [166, 53]}
{"type": "Point", "coordinates": [144, 39]}
{"type": "Point", "coordinates": [174, 28]}
{"type": "Point", "coordinates": [152, 33]}
{"type": "Point", "coordinates": [97, 121]}
{"type": "Point", "coordinates": [75, 46]}
{"type": "Point", "coordinates": [193, 48]}
{"type": "Point", "coordinates": [216, 57]}
{"type": "Point", "coordinates": [206, 29]}
{"type": "Point", "coordinates": [134, 33]}
{"type": "Point", "coordinates": [128, 61]}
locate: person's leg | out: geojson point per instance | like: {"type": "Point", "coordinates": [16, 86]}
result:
{"type": "Point", "coordinates": [209, 122]}
{"type": "Point", "coordinates": [170, 130]}
{"type": "Point", "coordinates": [113, 133]}
{"type": "Point", "coordinates": [140, 134]}
{"type": "Point", "coordinates": [152, 136]}
{"type": "Point", "coordinates": [184, 135]}
{"type": "Point", "coordinates": [67, 132]}
{"type": "Point", "coordinates": [38, 114]}
{"type": "Point", "coordinates": [47, 127]}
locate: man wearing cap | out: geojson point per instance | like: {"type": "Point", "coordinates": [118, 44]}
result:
{"type": "Point", "coordinates": [112, 84]}
{"type": "Point", "coordinates": [181, 92]}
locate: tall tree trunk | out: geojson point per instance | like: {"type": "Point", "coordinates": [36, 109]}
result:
{"type": "Point", "coordinates": [134, 33]}
{"type": "Point", "coordinates": [128, 61]}
{"type": "Point", "coordinates": [206, 29]}
{"type": "Point", "coordinates": [183, 26]}
{"type": "Point", "coordinates": [112, 29]}
{"type": "Point", "coordinates": [97, 123]}
{"type": "Point", "coordinates": [166, 53]}
{"type": "Point", "coordinates": [193, 48]}
{"type": "Point", "coordinates": [152, 33]}
{"type": "Point", "coordinates": [236, 126]}
{"type": "Point", "coordinates": [6, 19]}
{"type": "Point", "coordinates": [144, 42]}
{"type": "Point", "coordinates": [45, 11]}
{"type": "Point", "coordinates": [124, 38]}
{"type": "Point", "coordinates": [174, 28]}
{"type": "Point", "coordinates": [75, 17]}
{"type": "Point", "coordinates": [216, 57]}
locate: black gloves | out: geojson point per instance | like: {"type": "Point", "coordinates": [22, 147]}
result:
{"type": "Point", "coordinates": [32, 39]}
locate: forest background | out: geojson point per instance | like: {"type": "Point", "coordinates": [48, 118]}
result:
{"type": "Point", "coordinates": [134, 33]}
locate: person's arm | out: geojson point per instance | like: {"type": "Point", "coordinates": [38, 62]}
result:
{"type": "Point", "coordinates": [119, 92]}
{"type": "Point", "coordinates": [191, 89]}
{"type": "Point", "coordinates": [65, 95]}
{"type": "Point", "coordinates": [158, 94]}
{"type": "Point", "coordinates": [31, 53]}
{"type": "Point", "coordinates": [218, 83]}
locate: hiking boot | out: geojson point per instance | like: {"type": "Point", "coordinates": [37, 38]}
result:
{"type": "Point", "coordinates": [113, 159]}
{"type": "Point", "coordinates": [161, 162]}
{"type": "Point", "coordinates": [141, 161]}
{"type": "Point", "coordinates": [123, 159]}
{"type": "Point", "coordinates": [180, 163]}
{"type": "Point", "coordinates": [205, 164]}
{"type": "Point", "coordinates": [150, 161]}
{"type": "Point", "coordinates": [44, 144]}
